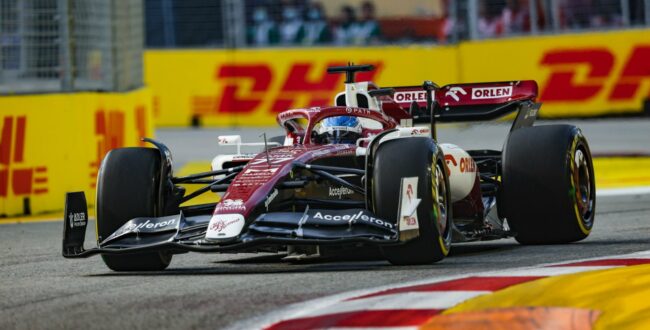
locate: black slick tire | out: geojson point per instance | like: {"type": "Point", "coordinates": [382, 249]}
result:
{"type": "Point", "coordinates": [548, 185]}
{"type": "Point", "coordinates": [414, 157]}
{"type": "Point", "coordinates": [128, 186]}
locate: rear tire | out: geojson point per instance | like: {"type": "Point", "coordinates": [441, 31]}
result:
{"type": "Point", "coordinates": [128, 186]}
{"type": "Point", "coordinates": [548, 184]}
{"type": "Point", "coordinates": [414, 157]}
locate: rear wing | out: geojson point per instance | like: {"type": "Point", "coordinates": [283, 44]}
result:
{"type": "Point", "coordinates": [430, 103]}
{"type": "Point", "coordinates": [465, 102]}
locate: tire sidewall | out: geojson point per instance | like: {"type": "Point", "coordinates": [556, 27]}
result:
{"type": "Point", "coordinates": [422, 155]}
{"type": "Point", "coordinates": [537, 194]}
{"type": "Point", "coordinates": [128, 186]}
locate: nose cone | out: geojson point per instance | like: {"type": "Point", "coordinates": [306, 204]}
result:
{"type": "Point", "coordinates": [225, 226]}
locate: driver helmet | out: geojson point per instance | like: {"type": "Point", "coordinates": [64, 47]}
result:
{"type": "Point", "coordinates": [340, 129]}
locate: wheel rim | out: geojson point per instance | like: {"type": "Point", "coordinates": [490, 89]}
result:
{"type": "Point", "coordinates": [584, 192]}
{"type": "Point", "coordinates": [441, 200]}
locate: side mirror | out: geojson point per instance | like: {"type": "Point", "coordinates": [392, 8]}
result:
{"type": "Point", "coordinates": [226, 140]}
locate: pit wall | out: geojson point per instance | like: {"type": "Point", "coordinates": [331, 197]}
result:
{"type": "Point", "coordinates": [51, 144]}
{"type": "Point", "coordinates": [579, 75]}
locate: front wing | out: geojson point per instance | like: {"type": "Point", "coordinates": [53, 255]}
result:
{"type": "Point", "coordinates": [178, 233]}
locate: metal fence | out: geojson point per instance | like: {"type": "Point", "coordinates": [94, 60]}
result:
{"type": "Point", "coordinates": [75, 45]}
{"type": "Point", "coordinates": [70, 45]}
{"type": "Point", "coordinates": [495, 18]}
{"type": "Point", "coordinates": [281, 23]}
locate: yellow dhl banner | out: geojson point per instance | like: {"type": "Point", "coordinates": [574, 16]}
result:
{"type": "Point", "coordinates": [249, 87]}
{"type": "Point", "coordinates": [52, 144]}
{"type": "Point", "coordinates": [579, 75]}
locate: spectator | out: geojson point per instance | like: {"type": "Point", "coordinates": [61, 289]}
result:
{"type": "Point", "coordinates": [263, 31]}
{"type": "Point", "coordinates": [515, 16]}
{"type": "Point", "coordinates": [368, 31]}
{"type": "Point", "coordinates": [292, 28]}
{"type": "Point", "coordinates": [608, 14]}
{"type": "Point", "coordinates": [449, 24]}
{"type": "Point", "coordinates": [316, 29]}
{"type": "Point", "coordinates": [489, 21]}
{"type": "Point", "coordinates": [344, 33]}
{"type": "Point", "coordinates": [577, 13]}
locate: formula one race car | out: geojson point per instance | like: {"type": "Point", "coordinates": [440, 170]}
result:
{"type": "Point", "coordinates": [352, 175]}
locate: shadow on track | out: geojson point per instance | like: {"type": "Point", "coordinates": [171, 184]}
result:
{"type": "Point", "coordinates": [365, 261]}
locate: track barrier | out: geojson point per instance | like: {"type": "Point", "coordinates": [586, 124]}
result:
{"type": "Point", "coordinates": [579, 75]}
{"type": "Point", "coordinates": [53, 143]}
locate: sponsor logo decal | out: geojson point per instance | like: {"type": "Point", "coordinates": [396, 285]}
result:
{"type": "Point", "coordinates": [244, 156]}
{"type": "Point", "coordinates": [408, 204]}
{"type": "Point", "coordinates": [246, 88]}
{"type": "Point", "coordinates": [351, 218]}
{"type": "Point", "coordinates": [144, 225]}
{"type": "Point", "coordinates": [17, 178]}
{"type": "Point", "coordinates": [453, 93]}
{"type": "Point", "coordinates": [231, 205]}
{"type": "Point", "coordinates": [467, 164]}
{"type": "Point", "coordinates": [334, 150]}
{"type": "Point", "coordinates": [340, 192]}
{"type": "Point", "coordinates": [567, 80]}
{"type": "Point", "coordinates": [449, 159]}
{"type": "Point", "coordinates": [233, 202]}
{"type": "Point", "coordinates": [77, 219]}
{"type": "Point", "coordinates": [284, 116]}
{"type": "Point", "coordinates": [149, 226]}
{"type": "Point", "coordinates": [260, 172]}
{"type": "Point", "coordinates": [270, 199]}
{"type": "Point", "coordinates": [408, 97]}
{"type": "Point", "coordinates": [357, 111]}
{"type": "Point", "coordinates": [420, 131]}
{"type": "Point", "coordinates": [274, 161]}
{"type": "Point", "coordinates": [230, 139]}
{"type": "Point", "coordinates": [491, 92]}
{"type": "Point", "coordinates": [221, 225]}
{"type": "Point", "coordinates": [225, 226]}
{"type": "Point", "coordinates": [409, 192]}
{"type": "Point", "coordinates": [531, 113]}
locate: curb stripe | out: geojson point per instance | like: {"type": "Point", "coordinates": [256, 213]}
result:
{"type": "Point", "coordinates": [382, 308]}
{"type": "Point", "coordinates": [607, 262]}
{"type": "Point", "coordinates": [475, 283]}
{"type": "Point", "coordinates": [437, 300]}
{"type": "Point", "coordinates": [377, 318]}
{"type": "Point", "coordinates": [547, 271]}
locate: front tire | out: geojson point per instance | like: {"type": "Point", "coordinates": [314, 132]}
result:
{"type": "Point", "coordinates": [549, 187]}
{"type": "Point", "coordinates": [128, 186]}
{"type": "Point", "coordinates": [414, 157]}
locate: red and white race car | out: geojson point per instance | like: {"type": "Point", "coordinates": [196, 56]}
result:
{"type": "Point", "coordinates": [351, 175]}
